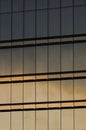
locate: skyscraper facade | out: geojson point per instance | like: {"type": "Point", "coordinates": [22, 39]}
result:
{"type": "Point", "coordinates": [43, 64]}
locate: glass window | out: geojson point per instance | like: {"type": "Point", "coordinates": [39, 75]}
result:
{"type": "Point", "coordinates": [5, 27]}
{"type": "Point", "coordinates": [29, 92]}
{"type": "Point", "coordinates": [29, 27]}
{"type": "Point", "coordinates": [16, 121]}
{"type": "Point", "coordinates": [4, 93]}
{"type": "Point", "coordinates": [29, 120]}
{"type": "Point", "coordinates": [54, 58]}
{"type": "Point", "coordinates": [5, 120]}
{"type": "Point", "coordinates": [41, 23]}
{"type": "Point", "coordinates": [80, 56]}
{"type": "Point", "coordinates": [54, 119]}
{"type": "Point", "coordinates": [5, 6]}
{"type": "Point", "coordinates": [5, 61]}
{"type": "Point", "coordinates": [54, 91]}
{"type": "Point", "coordinates": [41, 4]}
{"type": "Point", "coordinates": [67, 89]}
{"type": "Point", "coordinates": [17, 26]}
{"type": "Point", "coordinates": [65, 3]}
{"type": "Point", "coordinates": [80, 119]}
{"type": "Point", "coordinates": [67, 57]}
{"type": "Point", "coordinates": [29, 60]}
{"type": "Point", "coordinates": [54, 3]}
{"type": "Point", "coordinates": [80, 2]}
{"type": "Point", "coordinates": [17, 89]}
{"type": "Point", "coordinates": [41, 120]}
{"type": "Point", "coordinates": [41, 91]}
{"type": "Point", "coordinates": [67, 120]}
{"type": "Point", "coordinates": [29, 4]}
{"type": "Point", "coordinates": [41, 59]}
{"type": "Point", "coordinates": [54, 22]}
{"type": "Point", "coordinates": [17, 5]}
{"type": "Point", "coordinates": [80, 89]}
{"type": "Point", "coordinates": [17, 60]}
{"type": "Point", "coordinates": [67, 21]}
{"type": "Point", "coordinates": [80, 20]}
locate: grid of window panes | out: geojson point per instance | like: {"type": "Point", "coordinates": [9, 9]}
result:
{"type": "Point", "coordinates": [24, 20]}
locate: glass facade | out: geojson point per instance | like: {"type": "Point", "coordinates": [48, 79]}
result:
{"type": "Point", "coordinates": [42, 64]}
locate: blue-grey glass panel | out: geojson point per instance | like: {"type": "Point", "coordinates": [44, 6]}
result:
{"type": "Point", "coordinates": [41, 4]}
{"type": "Point", "coordinates": [54, 3]}
{"type": "Point", "coordinates": [17, 5]}
{"type": "Point", "coordinates": [79, 2]}
{"type": "Point", "coordinates": [41, 59]}
{"type": "Point", "coordinates": [29, 27]}
{"type": "Point", "coordinates": [5, 27]}
{"type": "Point", "coordinates": [67, 21]}
{"type": "Point", "coordinates": [17, 60]}
{"type": "Point", "coordinates": [67, 120]}
{"type": "Point", "coordinates": [80, 20]}
{"type": "Point", "coordinates": [29, 60]}
{"type": "Point", "coordinates": [67, 57]}
{"type": "Point", "coordinates": [41, 23]}
{"type": "Point", "coordinates": [54, 22]}
{"type": "Point", "coordinates": [80, 56]}
{"type": "Point", "coordinates": [5, 6]}
{"type": "Point", "coordinates": [65, 3]}
{"type": "Point", "coordinates": [80, 89]}
{"type": "Point", "coordinates": [29, 4]}
{"type": "Point", "coordinates": [5, 61]}
{"type": "Point", "coordinates": [17, 26]}
{"type": "Point", "coordinates": [80, 119]}
{"type": "Point", "coordinates": [54, 58]}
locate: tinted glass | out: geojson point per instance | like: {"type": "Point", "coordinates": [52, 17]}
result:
{"type": "Point", "coordinates": [80, 2]}
{"type": "Point", "coordinates": [54, 3]}
{"type": "Point", "coordinates": [41, 4]}
{"type": "Point", "coordinates": [29, 4]}
{"type": "Point", "coordinates": [5, 6]}
{"type": "Point", "coordinates": [17, 5]}
{"type": "Point", "coordinates": [66, 3]}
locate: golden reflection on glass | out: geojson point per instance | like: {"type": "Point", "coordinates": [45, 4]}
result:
{"type": "Point", "coordinates": [41, 120]}
{"type": "Point", "coordinates": [54, 119]}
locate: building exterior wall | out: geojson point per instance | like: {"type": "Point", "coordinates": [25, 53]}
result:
{"type": "Point", "coordinates": [43, 64]}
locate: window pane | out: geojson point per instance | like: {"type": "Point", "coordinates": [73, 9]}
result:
{"type": "Point", "coordinates": [29, 92]}
{"type": "Point", "coordinates": [29, 120]}
{"type": "Point", "coordinates": [5, 61]}
{"type": "Point", "coordinates": [29, 27]}
{"type": "Point", "coordinates": [54, 120]}
{"type": "Point", "coordinates": [54, 3]}
{"type": "Point", "coordinates": [17, 5]}
{"type": "Point", "coordinates": [80, 2]}
{"type": "Point", "coordinates": [41, 23]}
{"type": "Point", "coordinates": [67, 57]}
{"type": "Point", "coordinates": [54, 22]}
{"type": "Point", "coordinates": [4, 93]}
{"type": "Point", "coordinates": [67, 21]}
{"type": "Point", "coordinates": [66, 3]}
{"type": "Point", "coordinates": [67, 120]}
{"type": "Point", "coordinates": [41, 59]}
{"type": "Point", "coordinates": [29, 4]}
{"type": "Point", "coordinates": [54, 58]}
{"type": "Point", "coordinates": [5, 6]}
{"type": "Point", "coordinates": [80, 119]}
{"type": "Point", "coordinates": [67, 89]}
{"type": "Point", "coordinates": [17, 61]}
{"type": "Point", "coordinates": [54, 91]}
{"type": "Point", "coordinates": [29, 60]}
{"type": "Point", "coordinates": [41, 4]}
{"type": "Point", "coordinates": [5, 27]}
{"type": "Point", "coordinates": [17, 26]}
{"type": "Point", "coordinates": [80, 56]}
{"type": "Point", "coordinates": [41, 91]}
{"type": "Point", "coordinates": [80, 89]}
{"type": "Point", "coordinates": [80, 20]}
{"type": "Point", "coordinates": [5, 120]}
{"type": "Point", "coordinates": [16, 121]}
{"type": "Point", "coordinates": [41, 120]}
{"type": "Point", "coordinates": [17, 89]}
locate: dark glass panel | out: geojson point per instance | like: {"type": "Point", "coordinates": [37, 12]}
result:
{"type": "Point", "coordinates": [80, 2]}
{"type": "Point", "coordinates": [54, 3]}
{"type": "Point", "coordinates": [29, 4]}
{"type": "Point", "coordinates": [65, 3]}
{"type": "Point", "coordinates": [41, 4]}
{"type": "Point", "coordinates": [5, 6]}
{"type": "Point", "coordinates": [17, 5]}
